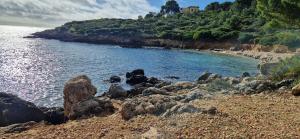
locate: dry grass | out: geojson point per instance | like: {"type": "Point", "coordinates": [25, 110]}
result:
{"type": "Point", "coordinates": [258, 116]}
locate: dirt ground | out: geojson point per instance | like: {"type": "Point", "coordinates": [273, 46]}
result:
{"type": "Point", "coordinates": [256, 116]}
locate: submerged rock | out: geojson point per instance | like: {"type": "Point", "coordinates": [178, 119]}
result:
{"type": "Point", "coordinates": [15, 110]}
{"type": "Point", "coordinates": [77, 89]}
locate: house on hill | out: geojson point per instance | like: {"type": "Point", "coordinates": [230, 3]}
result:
{"type": "Point", "coordinates": [190, 10]}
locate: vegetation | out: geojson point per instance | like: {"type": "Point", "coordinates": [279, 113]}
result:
{"type": "Point", "coordinates": [245, 21]}
{"type": "Point", "coordinates": [287, 69]}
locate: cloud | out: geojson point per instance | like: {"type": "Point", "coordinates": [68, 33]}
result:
{"type": "Point", "coordinates": [59, 11]}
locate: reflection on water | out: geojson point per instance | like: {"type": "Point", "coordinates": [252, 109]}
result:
{"type": "Point", "coordinates": [36, 69]}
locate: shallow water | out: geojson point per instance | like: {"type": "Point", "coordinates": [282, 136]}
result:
{"type": "Point", "coordinates": [36, 69]}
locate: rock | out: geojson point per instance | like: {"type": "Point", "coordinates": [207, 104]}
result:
{"type": "Point", "coordinates": [17, 128]}
{"type": "Point", "coordinates": [77, 89]}
{"type": "Point", "coordinates": [91, 107]}
{"type": "Point", "coordinates": [15, 110]}
{"type": "Point", "coordinates": [54, 115]}
{"type": "Point", "coordinates": [267, 68]}
{"type": "Point", "coordinates": [287, 82]}
{"type": "Point", "coordinates": [236, 48]}
{"type": "Point", "coordinates": [296, 90]}
{"type": "Point", "coordinates": [153, 80]}
{"type": "Point", "coordinates": [136, 79]}
{"type": "Point", "coordinates": [193, 95]}
{"type": "Point", "coordinates": [211, 110]}
{"type": "Point", "coordinates": [116, 91]}
{"type": "Point", "coordinates": [246, 74]}
{"type": "Point", "coordinates": [180, 109]}
{"type": "Point", "coordinates": [154, 104]}
{"type": "Point", "coordinates": [162, 84]}
{"type": "Point", "coordinates": [233, 81]}
{"type": "Point", "coordinates": [153, 133]}
{"type": "Point", "coordinates": [152, 91]}
{"type": "Point", "coordinates": [179, 86]}
{"type": "Point", "coordinates": [135, 72]}
{"type": "Point", "coordinates": [204, 76]}
{"type": "Point", "coordinates": [115, 79]}
{"type": "Point", "coordinates": [172, 77]}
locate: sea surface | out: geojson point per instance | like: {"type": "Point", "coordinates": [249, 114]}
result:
{"type": "Point", "coordinates": [37, 69]}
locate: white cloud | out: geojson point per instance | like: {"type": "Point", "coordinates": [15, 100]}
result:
{"type": "Point", "coordinates": [60, 11]}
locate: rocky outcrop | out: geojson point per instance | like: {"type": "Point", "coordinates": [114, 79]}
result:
{"type": "Point", "coordinates": [15, 110]}
{"type": "Point", "coordinates": [54, 115]}
{"type": "Point", "coordinates": [77, 89]}
{"type": "Point", "coordinates": [267, 68]}
{"type": "Point", "coordinates": [17, 128]}
{"type": "Point", "coordinates": [154, 104]}
{"type": "Point", "coordinates": [94, 106]}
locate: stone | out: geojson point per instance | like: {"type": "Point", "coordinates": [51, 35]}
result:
{"type": "Point", "coordinates": [15, 110]}
{"type": "Point", "coordinates": [296, 90]}
{"type": "Point", "coordinates": [179, 86]}
{"type": "Point", "coordinates": [180, 109]}
{"type": "Point", "coordinates": [154, 104]}
{"type": "Point", "coordinates": [54, 115]}
{"type": "Point", "coordinates": [116, 91]}
{"type": "Point", "coordinates": [17, 128]}
{"type": "Point", "coordinates": [233, 81]}
{"type": "Point", "coordinates": [115, 79]}
{"type": "Point", "coordinates": [287, 82]}
{"type": "Point", "coordinates": [246, 74]}
{"type": "Point", "coordinates": [153, 80]}
{"type": "Point", "coordinates": [153, 133]}
{"type": "Point", "coordinates": [152, 91]}
{"type": "Point", "coordinates": [162, 84]}
{"type": "Point", "coordinates": [204, 76]}
{"type": "Point", "coordinates": [94, 106]}
{"type": "Point", "coordinates": [77, 89]}
{"type": "Point", "coordinates": [136, 79]}
{"type": "Point", "coordinates": [135, 72]}
{"type": "Point", "coordinates": [193, 95]}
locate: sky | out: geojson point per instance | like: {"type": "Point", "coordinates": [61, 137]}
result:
{"type": "Point", "coordinates": [51, 13]}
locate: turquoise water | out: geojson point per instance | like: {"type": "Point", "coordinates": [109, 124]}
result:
{"type": "Point", "coordinates": [36, 69]}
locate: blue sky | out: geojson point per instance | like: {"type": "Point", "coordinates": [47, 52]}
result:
{"type": "Point", "coordinates": [185, 3]}
{"type": "Point", "coordinates": [56, 12]}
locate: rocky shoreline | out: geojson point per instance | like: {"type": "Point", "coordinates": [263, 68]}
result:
{"type": "Point", "coordinates": [148, 96]}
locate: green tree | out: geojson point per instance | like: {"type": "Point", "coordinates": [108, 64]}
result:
{"type": "Point", "coordinates": [171, 7]}
{"type": "Point", "coordinates": [285, 11]}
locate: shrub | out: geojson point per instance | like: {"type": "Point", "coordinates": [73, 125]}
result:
{"type": "Point", "coordinates": [288, 68]}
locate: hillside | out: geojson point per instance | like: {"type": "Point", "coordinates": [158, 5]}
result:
{"type": "Point", "coordinates": [238, 23]}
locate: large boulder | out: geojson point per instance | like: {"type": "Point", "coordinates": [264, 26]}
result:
{"type": "Point", "coordinates": [296, 90]}
{"type": "Point", "coordinates": [15, 110]}
{"type": "Point", "coordinates": [94, 106]}
{"type": "Point", "coordinates": [116, 91]}
{"type": "Point", "coordinates": [77, 89]}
